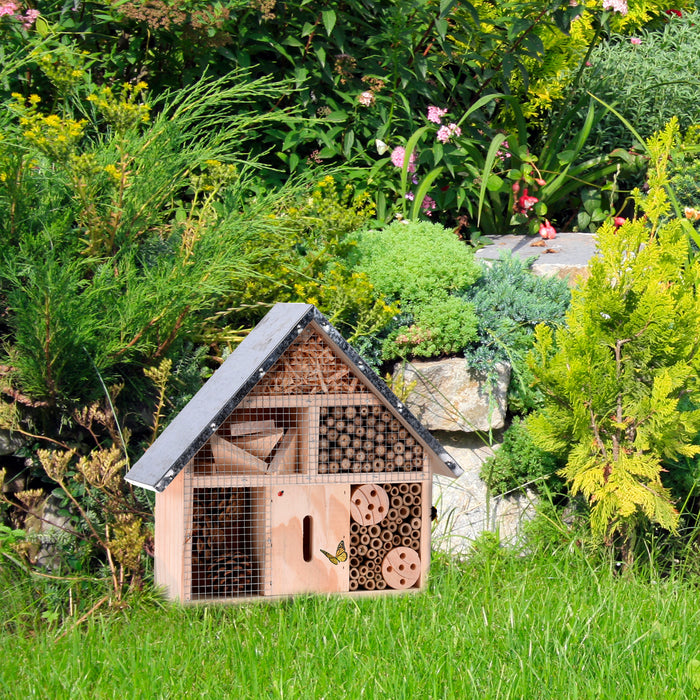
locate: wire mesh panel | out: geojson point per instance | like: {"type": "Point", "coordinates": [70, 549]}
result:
{"type": "Point", "coordinates": [223, 559]}
{"type": "Point", "coordinates": [365, 438]}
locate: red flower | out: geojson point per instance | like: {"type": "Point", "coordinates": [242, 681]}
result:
{"type": "Point", "coordinates": [678, 13]}
{"type": "Point", "coordinates": [618, 221]}
{"type": "Point", "coordinates": [525, 202]}
{"type": "Point", "coordinates": [547, 231]}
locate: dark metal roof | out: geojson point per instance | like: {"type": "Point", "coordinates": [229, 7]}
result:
{"type": "Point", "coordinates": [229, 385]}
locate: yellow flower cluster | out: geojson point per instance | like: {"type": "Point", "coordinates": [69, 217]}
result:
{"type": "Point", "coordinates": [122, 111]}
{"type": "Point", "coordinates": [215, 175]}
{"type": "Point", "coordinates": [56, 137]}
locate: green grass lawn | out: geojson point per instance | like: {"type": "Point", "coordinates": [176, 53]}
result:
{"type": "Point", "coordinates": [498, 626]}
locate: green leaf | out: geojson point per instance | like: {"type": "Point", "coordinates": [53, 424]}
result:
{"type": "Point", "coordinates": [495, 146]}
{"type": "Point", "coordinates": [423, 190]}
{"type": "Point", "coordinates": [348, 142]}
{"type": "Point", "coordinates": [43, 28]}
{"type": "Point", "coordinates": [329, 19]}
{"type": "Point", "coordinates": [494, 182]}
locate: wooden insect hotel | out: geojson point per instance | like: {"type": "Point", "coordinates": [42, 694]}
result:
{"type": "Point", "coordinates": [293, 470]}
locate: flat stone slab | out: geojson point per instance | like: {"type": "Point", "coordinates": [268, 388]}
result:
{"type": "Point", "coordinates": [566, 256]}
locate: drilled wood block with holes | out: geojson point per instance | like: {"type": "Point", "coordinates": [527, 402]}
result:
{"type": "Point", "coordinates": [293, 470]}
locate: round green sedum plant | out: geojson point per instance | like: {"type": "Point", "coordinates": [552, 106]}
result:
{"type": "Point", "coordinates": [421, 264]}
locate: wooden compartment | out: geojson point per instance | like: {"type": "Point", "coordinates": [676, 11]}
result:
{"type": "Point", "coordinates": [389, 536]}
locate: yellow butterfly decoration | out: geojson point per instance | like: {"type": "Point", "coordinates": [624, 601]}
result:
{"type": "Point", "coordinates": [340, 554]}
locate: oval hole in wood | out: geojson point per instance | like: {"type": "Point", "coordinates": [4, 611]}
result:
{"type": "Point", "coordinates": [307, 537]}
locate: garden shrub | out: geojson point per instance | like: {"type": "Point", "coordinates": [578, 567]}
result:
{"type": "Point", "coordinates": [509, 301]}
{"type": "Point", "coordinates": [620, 381]}
{"type": "Point", "coordinates": [312, 261]}
{"type": "Point", "coordinates": [647, 83]}
{"type": "Point", "coordinates": [518, 463]}
{"type": "Point", "coordinates": [420, 265]}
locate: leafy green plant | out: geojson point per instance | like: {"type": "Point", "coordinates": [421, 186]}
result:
{"type": "Point", "coordinates": [509, 301]}
{"type": "Point", "coordinates": [420, 265]}
{"type": "Point", "coordinates": [620, 381]}
{"type": "Point", "coordinates": [518, 463]}
{"type": "Point", "coordinates": [647, 83]}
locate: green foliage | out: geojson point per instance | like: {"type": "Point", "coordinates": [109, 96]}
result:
{"type": "Point", "coordinates": [518, 463]}
{"type": "Point", "coordinates": [621, 381]}
{"type": "Point", "coordinates": [509, 301]}
{"type": "Point", "coordinates": [412, 260]}
{"type": "Point", "coordinates": [643, 81]}
{"type": "Point", "coordinates": [312, 262]}
{"type": "Point", "coordinates": [151, 231]}
{"type": "Point", "coordinates": [440, 326]}
{"type": "Point", "coordinates": [420, 265]}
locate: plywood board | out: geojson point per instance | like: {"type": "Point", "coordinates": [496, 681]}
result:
{"type": "Point", "coordinates": [229, 457]}
{"type": "Point", "coordinates": [304, 520]}
{"type": "Point", "coordinates": [261, 444]}
{"type": "Point", "coordinates": [170, 538]}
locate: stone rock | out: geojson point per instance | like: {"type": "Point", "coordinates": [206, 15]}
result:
{"type": "Point", "coordinates": [50, 527]}
{"type": "Point", "coordinates": [449, 396]}
{"type": "Point", "coordinates": [464, 509]}
{"type": "Point", "coordinates": [9, 442]}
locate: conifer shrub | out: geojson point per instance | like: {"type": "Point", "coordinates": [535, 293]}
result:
{"type": "Point", "coordinates": [620, 381]}
{"type": "Point", "coordinates": [519, 463]}
{"type": "Point", "coordinates": [509, 301]}
{"type": "Point", "coordinates": [647, 82]}
{"type": "Point", "coordinates": [421, 266]}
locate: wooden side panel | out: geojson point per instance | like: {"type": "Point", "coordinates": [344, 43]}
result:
{"type": "Point", "coordinates": [425, 532]}
{"type": "Point", "coordinates": [170, 538]}
{"type": "Point", "coordinates": [303, 521]}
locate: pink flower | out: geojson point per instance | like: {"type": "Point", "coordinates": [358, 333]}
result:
{"type": "Point", "coordinates": [9, 7]}
{"type": "Point", "coordinates": [541, 182]}
{"type": "Point", "coordinates": [635, 40]}
{"type": "Point", "coordinates": [547, 231]}
{"type": "Point", "coordinates": [616, 6]}
{"type": "Point", "coordinates": [435, 114]}
{"type": "Point", "coordinates": [618, 221]}
{"type": "Point", "coordinates": [526, 202]}
{"type": "Point", "coordinates": [366, 99]}
{"type": "Point", "coordinates": [445, 133]}
{"type": "Point", "coordinates": [398, 156]}
{"type": "Point", "coordinates": [410, 196]}
{"type": "Point", "coordinates": [428, 205]}
{"type": "Point", "coordinates": [29, 18]}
